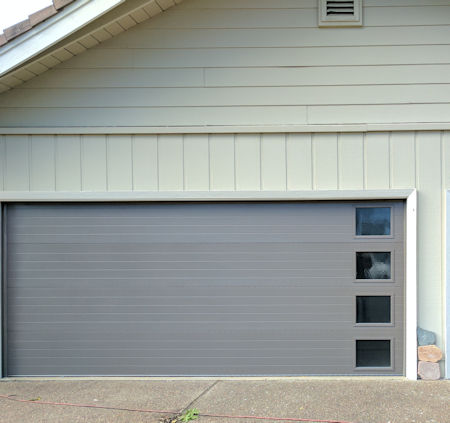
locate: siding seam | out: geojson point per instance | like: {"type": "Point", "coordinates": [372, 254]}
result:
{"type": "Point", "coordinates": [30, 160]}
{"type": "Point", "coordinates": [285, 162]}
{"type": "Point", "coordinates": [313, 167]}
{"type": "Point", "coordinates": [54, 161]}
{"type": "Point", "coordinates": [338, 162]}
{"type": "Point", "coordinates": [260, 141]}
{"type": "Point", "coordinates": [390, 160]}
{"type": "Point", "coordinates": [234, 162]}
{"type": "Point", "coordinates": [183, 159]}
{"type": "Point", "coordinates": [157, 162]}
{"type": "Point", "coordinates": [416, 160]}
{"type": "Point", "coordinates": [107, 161]}
{"type": "Point", "coordinates": [82, 140]}
{"type": "Point", "coordinates": [364, 161]}
{"type": "Point", "coordinates": [209, 162]}
{"type": "Point", "coordinates": [3, 159]}
{"type": "Point", "coordinates": [132, 162]}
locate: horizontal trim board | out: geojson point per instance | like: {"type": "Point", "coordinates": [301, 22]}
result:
{"type": "Point", "coordinates": [326, 195]}
{"type": "Point", "coordinates": [107, 130]}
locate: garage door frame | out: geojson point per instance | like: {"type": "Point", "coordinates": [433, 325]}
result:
{"type": "Point", "coordinates": [410, 196]}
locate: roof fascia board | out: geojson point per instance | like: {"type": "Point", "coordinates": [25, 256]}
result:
{"type": "Point", "coordinates": [55, 29]}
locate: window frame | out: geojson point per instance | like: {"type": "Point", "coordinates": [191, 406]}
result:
{"type": "Point", "coordinates": [391, 295]}
{"type": "Point", "coordinates": [374, 368]}
{"type": "Point", "coordinates": [374, 250]}
{"type": "Point", "coordinates": [374, 206]}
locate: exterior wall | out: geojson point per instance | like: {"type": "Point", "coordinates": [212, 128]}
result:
{"type": "Point", "coordinates": [251, 162]}
{"type": "Point", "coordinates": [207, 63]}
{"type": "Point", "coordinates": [251, 62]}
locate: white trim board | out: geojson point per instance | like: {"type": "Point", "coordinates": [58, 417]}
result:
{"type": "Point", "coordinates": [2, 282]}
{"type": "Point", "coordinates": [395, 194]}
{"type": "Point", "coordinates": [85, 130]}
{"type": "Point", "coordinates": [447, 290]}
{"type": "Point", "coordinates": [411, 228]}
{"type": "Point", "coordinates": [64, 23]}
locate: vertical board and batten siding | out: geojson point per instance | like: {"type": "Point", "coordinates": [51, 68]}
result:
{"type": "Point", "coordinates": [248, 62]}
{"type": "Point", "coordinates": [250, 162]}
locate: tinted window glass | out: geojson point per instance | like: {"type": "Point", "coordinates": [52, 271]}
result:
{"type": "Point", "coordinates": [373, 353]}
{"type": "Point", "coordinates": [373, 309]}
{"type": "Point", "coordinates": [373, 221]}
{"type": "Point", "coordinates": [373, 265]}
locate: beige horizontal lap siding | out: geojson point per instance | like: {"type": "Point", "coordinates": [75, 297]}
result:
{"type": "Point", "coordinates": [249, 162]}
{"type": "Point", "coordinates": [251, 62]}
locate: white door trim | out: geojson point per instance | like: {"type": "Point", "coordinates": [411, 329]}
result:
{"type": "Point", "coordinates": [447, 290]}
{"type": "Point", "coordinates": [411, 229]}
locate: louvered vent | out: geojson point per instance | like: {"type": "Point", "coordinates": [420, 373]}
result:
{"type": "Point", "coordinates": [340, 12]}
{"type": "Point", "coordinates": [338, 7]}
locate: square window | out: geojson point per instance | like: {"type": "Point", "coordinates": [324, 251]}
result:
{"type": "Point", "coordinates": [373, 221]}
{"type": "Point", "coordinates": [373, 309]}
{"type": "Point", "coordinates": [373, 353]}
{"type": "Point", "coordinates": [373, 265]}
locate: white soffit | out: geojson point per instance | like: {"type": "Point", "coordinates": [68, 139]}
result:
{"type": "Point", "coordinates": [104, 25]}
{"type": "Point", "coordinates": [53, 30]}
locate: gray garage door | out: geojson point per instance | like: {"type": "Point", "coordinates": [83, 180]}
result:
{"type": "Point", "coordinates": [204, 288]}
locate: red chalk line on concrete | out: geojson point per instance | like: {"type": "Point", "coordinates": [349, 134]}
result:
{"type": "Point", "coordinates": [103, 407]}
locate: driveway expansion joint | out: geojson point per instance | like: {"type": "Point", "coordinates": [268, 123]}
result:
{"type": "Point", "coordinates": [209, 388]}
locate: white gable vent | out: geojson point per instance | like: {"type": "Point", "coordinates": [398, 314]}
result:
{"type": "Point", "coordinates": [340, 12]}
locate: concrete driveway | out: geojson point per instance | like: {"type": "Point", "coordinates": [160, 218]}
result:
{"type": "Point", "coordinates": [363, 400]}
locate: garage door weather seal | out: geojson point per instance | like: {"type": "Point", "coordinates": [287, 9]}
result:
{"type": "Point", "coordinates": [223, 416]}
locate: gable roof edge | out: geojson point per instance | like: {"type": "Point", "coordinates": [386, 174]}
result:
{"type": "Point", "coordinates": [69, 20]}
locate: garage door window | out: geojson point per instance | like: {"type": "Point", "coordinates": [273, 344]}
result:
{"type": "Point", "coordinates": [373, 309]}
{"type": "Point", "coordinates": [373, 353]}
{"type": "Point", "coordinates": [373, 221]}
{"type": "Point", "coordinates": [373, 265]}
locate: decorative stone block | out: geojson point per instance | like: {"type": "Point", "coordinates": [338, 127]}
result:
{"type": "Point", "coordinates": [429, 371]}
{"type": "Point", "coordinates": [430, 353]}
{"type": "Point", "coordinates": [425, 337]}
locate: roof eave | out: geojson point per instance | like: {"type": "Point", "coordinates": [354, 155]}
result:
{"type": "Point", "coordinates": [31, 43]}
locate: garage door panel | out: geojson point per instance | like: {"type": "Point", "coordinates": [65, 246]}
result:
{"type": "Point", "coordinates": [178, 345]}
{"type": "Point", "coordinates": [65, 303]}
{"type": "Point", "coordinates": [199, 292]}
{"type": "Point", "coordinates": [192, 289]}
{"type": "Point", "coordinates": [187, 370]}
{"type": "Point", "coordinates": [280, 248]}
{"type": "Point", "coordinates": [156, 229]}
{"type": "Point", "coordinates": [223, 308]}
{"type": "Point", "coordinates": [222, 237]}
{"type": "Point", "coordinates": [314, 267]}
{"type": "Point", "coordinates": [183, 330]}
